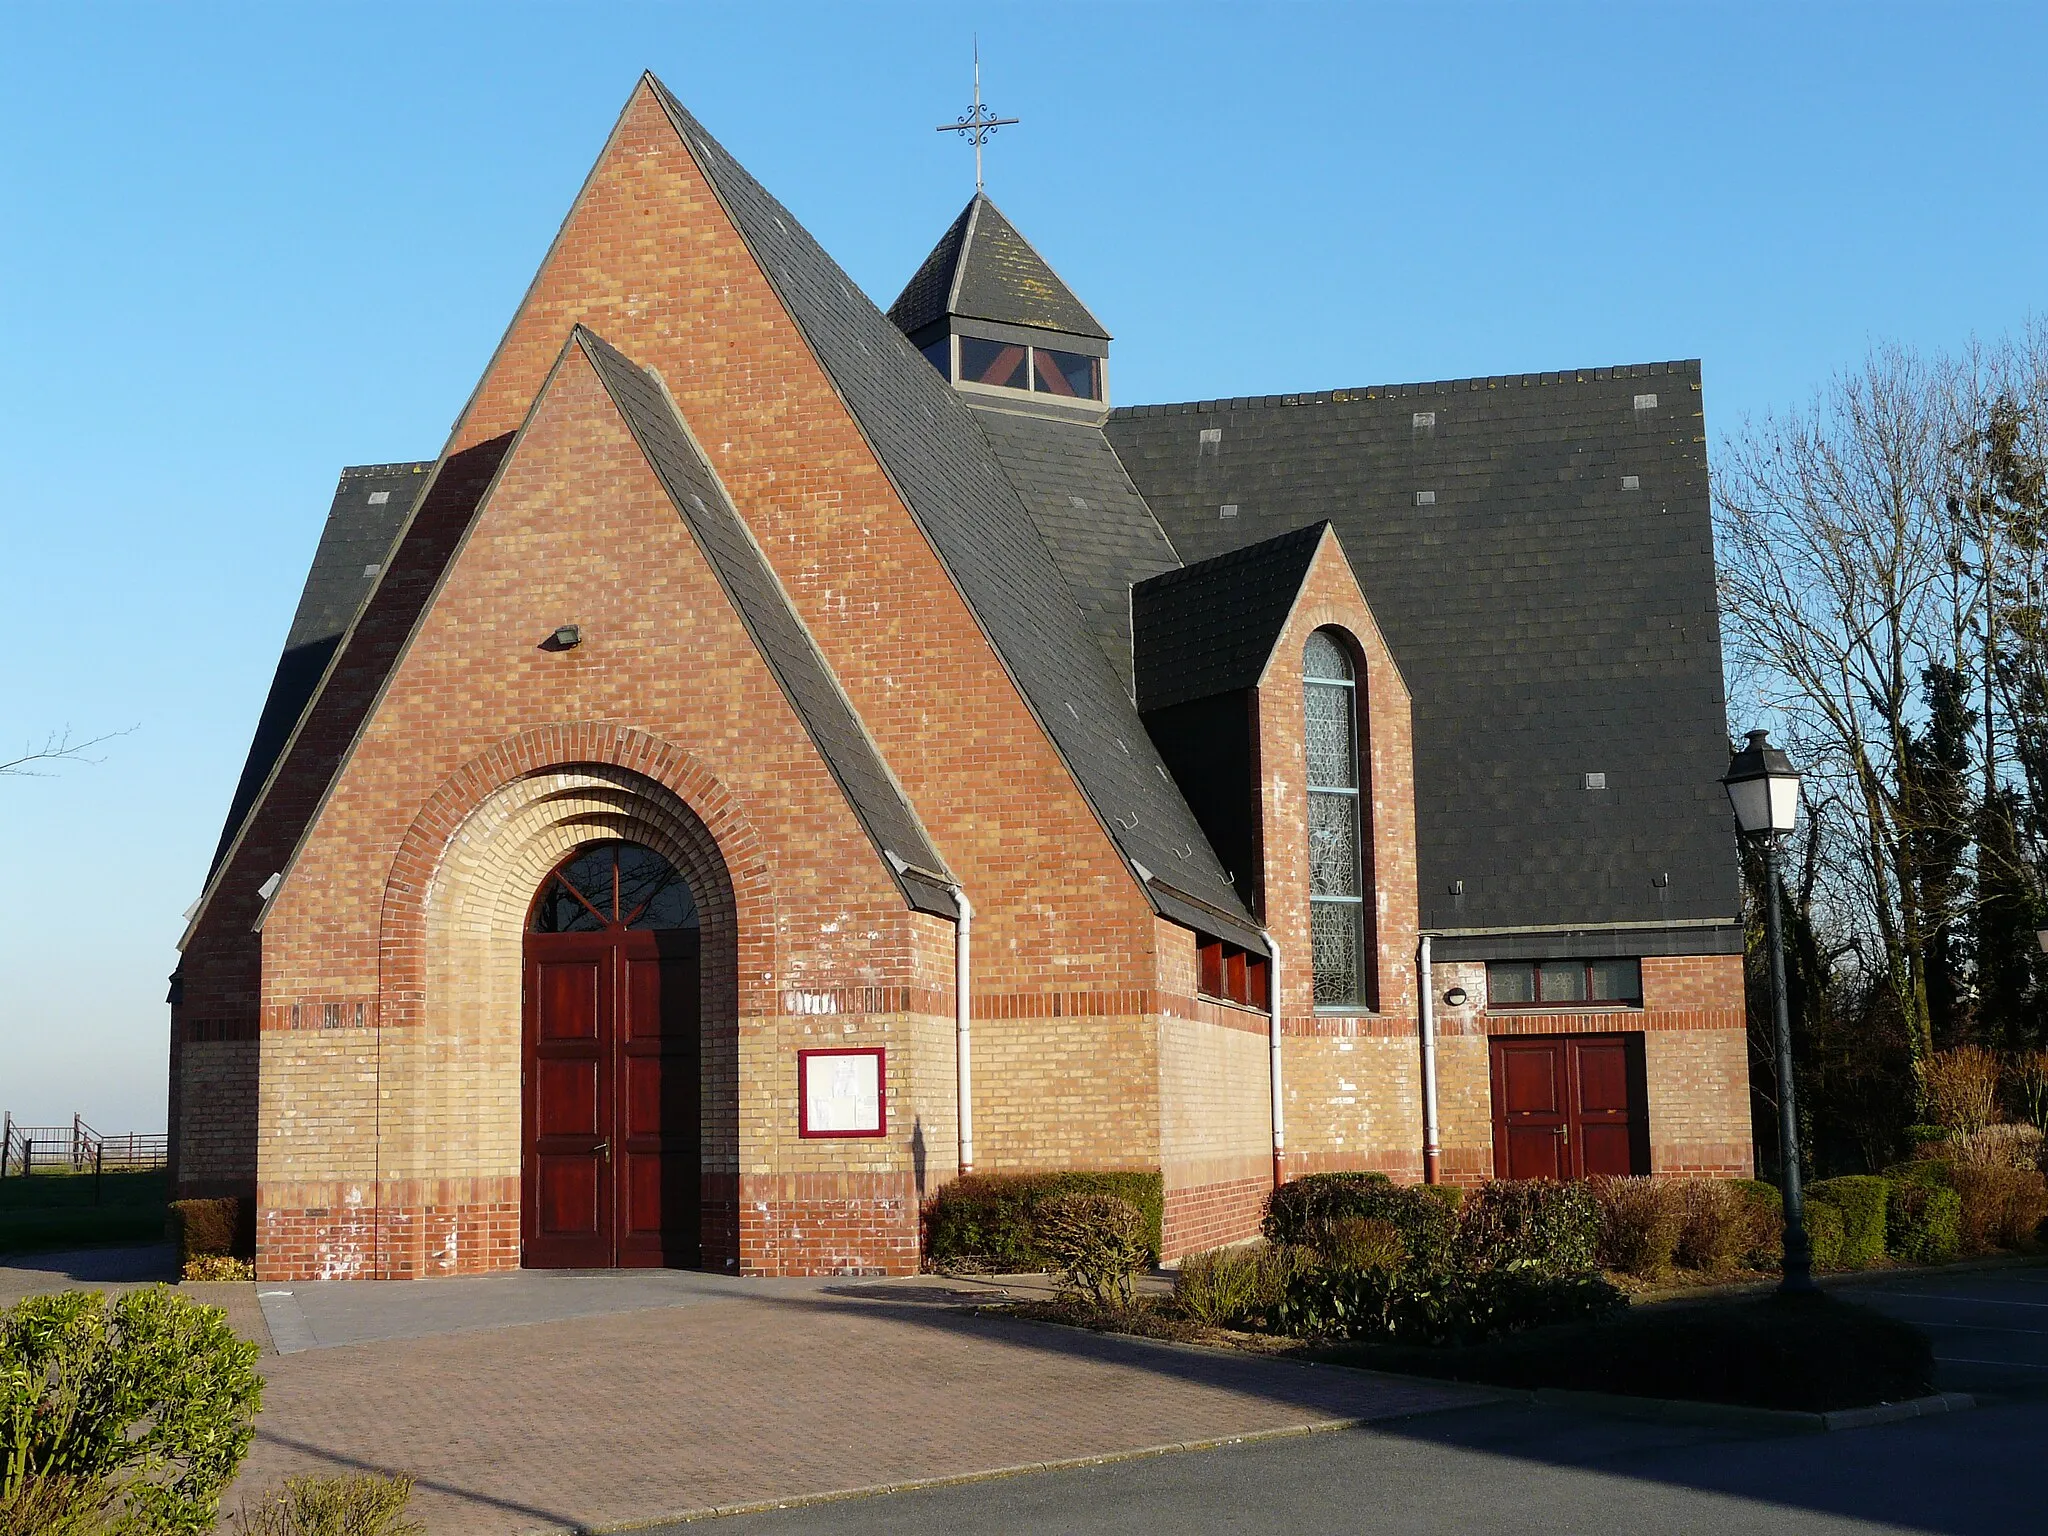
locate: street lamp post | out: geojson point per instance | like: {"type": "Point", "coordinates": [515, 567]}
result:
{"type": "Point", "coordinates": [1763, 787]}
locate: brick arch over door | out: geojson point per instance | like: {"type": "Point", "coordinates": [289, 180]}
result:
{"type": "Point", "coordinates": [455, 911]}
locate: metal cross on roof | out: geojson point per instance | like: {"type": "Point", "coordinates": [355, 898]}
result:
{"type": "Point", "coordinates": [977, 125]}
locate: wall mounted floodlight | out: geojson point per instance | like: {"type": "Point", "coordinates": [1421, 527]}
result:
{"type": "Point", "coordinates": [567, 637]}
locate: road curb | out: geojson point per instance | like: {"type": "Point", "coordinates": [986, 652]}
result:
{"type": "Point", "coordinates": [1668, 1410]}
{"type": "Point", "coordinates": [950, 1480]}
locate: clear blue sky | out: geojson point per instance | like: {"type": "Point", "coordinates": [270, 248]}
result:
{"type": "Point", "coordinates": [243, 246]}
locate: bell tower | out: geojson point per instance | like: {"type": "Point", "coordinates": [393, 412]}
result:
{"type": "Point", "coordinates": [991, 315]}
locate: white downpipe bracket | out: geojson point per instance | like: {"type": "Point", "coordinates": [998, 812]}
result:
{"type": "Point", "coordinates": [963, 1024]}
{"type": "Point", "coordinates": [1425, 980]}
{"type": "Point", "coordinates": [1273, 1047]}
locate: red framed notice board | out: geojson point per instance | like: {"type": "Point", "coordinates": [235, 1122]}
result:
{"type": "Point", "coordinates": [842, 1092]}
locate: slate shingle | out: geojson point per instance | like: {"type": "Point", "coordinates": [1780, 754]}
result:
{"type": "Point", "coordinates": [983, 269]}
{"type": "Point", "coordinates": [1549, 620]}
{"type": "Point", "coordinates": [371, 504]}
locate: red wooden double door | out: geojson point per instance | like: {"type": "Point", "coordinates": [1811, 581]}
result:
{"type": "Point", "coordinates": [1569, 1106]}
{"type": "Point", "coordinates": [612, 1161]}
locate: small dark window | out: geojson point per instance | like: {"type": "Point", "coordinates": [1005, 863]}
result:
{"type": "Point", "coordinates": [940, 355]}
{"type": "Point", "coordinates": [1559, 983]}
{"type": "Point", "coordinates": [610, 885]}
{"type": "Point", "coordinates": [1065, 373]}
{"type": "Point", "coordinates": [994, 362]}
{"type": "Point", "coordinates": [1233, 974]}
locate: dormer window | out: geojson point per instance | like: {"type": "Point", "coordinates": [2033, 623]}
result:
{"type": "Point", "coordinates": [1014, 365]}
{"type": "Point", "coordinates": [1001, 363]}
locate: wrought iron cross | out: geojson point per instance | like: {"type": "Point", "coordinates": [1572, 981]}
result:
{"type": "Point", "coordinates": [978, 124]}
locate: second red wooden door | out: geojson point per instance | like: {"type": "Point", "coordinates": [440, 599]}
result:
{"type": "Point", "coordinates": [1568, 1106]}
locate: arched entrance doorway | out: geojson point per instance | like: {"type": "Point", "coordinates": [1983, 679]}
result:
{"type": "Point", "coordinates": [611, 1127]}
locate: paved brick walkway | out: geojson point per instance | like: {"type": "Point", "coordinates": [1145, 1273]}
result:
{"type": "Point", "coordinates": [619, 1419]}
{"type": "Point", "coordinates": [547, 1403]}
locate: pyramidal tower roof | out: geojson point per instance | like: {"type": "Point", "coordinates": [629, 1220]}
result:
{"type": "Point", "coordinates": [983, 269]}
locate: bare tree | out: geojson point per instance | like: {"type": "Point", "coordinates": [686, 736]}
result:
{"type": "Point", "coordinates": [1838, 592]}
{"type": "Point", "coordinates": [39, 762]}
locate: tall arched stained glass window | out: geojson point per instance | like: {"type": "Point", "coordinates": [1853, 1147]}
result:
{"type": "Point", "coordinates": [1337, 883]}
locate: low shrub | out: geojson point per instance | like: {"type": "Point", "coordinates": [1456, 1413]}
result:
{"type": "Point", "coordinates": [1812, 1352]}
{"type": "Point", "coordinates": [1302, 1211]}
{"type": "Point", "coordinates": [1452, 1195]}
{"type": "Point", "coordinates": [1763, 1208]}
{"type": "Point", "coordinates": [1420, 1307]}
{"type": "Point", "coordinates": [1823, 1237]}
{"type": "Point", "coordinates": [217, 1267]}
{"type": "Point", "coordinates": [1235, 1287]}
{"type": "Point", "coordinates": [1537, 1222]}
{"type": "Point", "coordinates": [365, 1504]}
{"type": "Point", "coordinates": [213, 1229]}
{"type": "Point", "coordinates": [1861, 1200]}
{"type": "Point", "coordinates": [142, 1407]}
{"type": "Point", "coordinates": [1923, 1222]}
{"type": "Point", "coordinates": [1296, 1210]}
{"type": "Point", "coordinates": [1961, 1086]}
{"type": "Point", "coordinates": [1099, 1242]}
{"type": "Point", "coordinates": [1717, 1226]}
{"type": "Point", "coordinates": [2001, 1146]}
{"type": "Point", "coordinates": [2000, 1207]}
{"type": "Point", "coordinates": [1359, 1242]}
{"type": "Point", "coordinates": [1640, 1223]}
{"type": "Point", "coordinates": [987, 1222]}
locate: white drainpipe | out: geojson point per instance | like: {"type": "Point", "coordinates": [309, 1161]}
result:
{"type": "Point", "coordinates": [963, 954]}
{"type": "Point", "coordinates": [1273, 1046]}
{"type": "Point", "coordinates": [1430, 1150]}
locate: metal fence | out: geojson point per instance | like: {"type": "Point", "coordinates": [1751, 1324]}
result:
{"type": "Point", "coordinates": [76, 1148]}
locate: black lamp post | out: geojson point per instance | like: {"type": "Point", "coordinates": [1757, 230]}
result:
{"type": "Point", "coordinates": [1763, 787]}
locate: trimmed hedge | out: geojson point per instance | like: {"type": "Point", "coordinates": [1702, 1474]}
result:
{"type": "Point", "coordinates": [1823, 1235]}
{"type": "Point", "coordinates": [1861, 1200]}
{"type": "Point", "coordinates": [1811, 1352]}
{"type": "Point", "coordinates": [987, 1221]}
{"type": "Point", "coordinates": [213, 1229]}
{"type": "Point", "coordinates": [1532, 1222]}
{"type": "Point", "coordinates": [1923, 1222]}
{"type": "Point", "coordinates": [1434, 1307]}
{"type": "Point", "coordinates": [1304, 1210]}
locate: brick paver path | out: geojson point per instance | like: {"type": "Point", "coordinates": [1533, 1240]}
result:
{"type": "Point", "coordinates": [597, 1421]}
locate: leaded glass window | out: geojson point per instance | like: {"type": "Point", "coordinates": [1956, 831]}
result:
{"type": "Point", "coordinates": [1341, 955]}
{"type": "Point", "coordinates": [609, 885]}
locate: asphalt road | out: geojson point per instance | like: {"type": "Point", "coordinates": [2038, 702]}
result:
{"type": "Point", "coordinates": [1513, 1467]}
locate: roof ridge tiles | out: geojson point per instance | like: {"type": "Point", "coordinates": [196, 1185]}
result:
{"type": "Point", "coordinates": [1347, 394]}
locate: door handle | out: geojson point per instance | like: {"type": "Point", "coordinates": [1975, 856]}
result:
{"type": "Point", "coordinates": [604, 1150]}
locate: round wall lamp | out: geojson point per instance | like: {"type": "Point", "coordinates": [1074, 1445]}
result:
{"type": "Point", "coordinates": [1455, 998]}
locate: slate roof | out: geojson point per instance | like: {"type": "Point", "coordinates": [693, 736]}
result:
{"type": "Point", "coordinates": [1538, 552]}
{"type": "Point", "coordinates": [1208, 628]}
{"type": "Point", "coordinates": [1102, 536]}
{"type": "Point", "coordinates": [983, 269]}
{"type": "Point", "coordinates": [371, 504]}
{"type": "Point", "coordinates": [927, 441]}
{"type": "Point", "coordinates": [778, 633]}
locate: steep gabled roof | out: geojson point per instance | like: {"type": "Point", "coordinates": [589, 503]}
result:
{"type": "Point", "coordinates": [1100, 532]}
{"type": "Point", "coordinates": [778, 633]}
{"type": "Point", "coordinates": [983, 269]}
{"type": "Point", "coordinates": [932, 449]}
{"type": "Point", "coordinates": [1209, 628]}
{"type": "Point", "coordinates": [370, 506]}
{"type": "Point", "coordinates": [1538, 552]}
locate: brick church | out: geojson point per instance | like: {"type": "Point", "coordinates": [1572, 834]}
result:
{"type": "Point", "coordinates": [781, 754]}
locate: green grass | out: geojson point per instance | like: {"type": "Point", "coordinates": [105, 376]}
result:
{"type": "Point", "coordinates": [50, 1212]}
